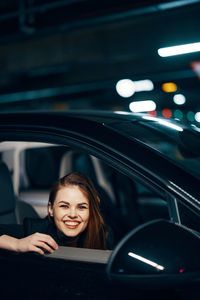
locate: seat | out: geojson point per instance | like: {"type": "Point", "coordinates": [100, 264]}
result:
{"type": "Point", "coordinates": [7, 200]}
{"type": "Point", "coordinates": [40, 176]}
{"type": "Point", "coordinates": [12, 209]}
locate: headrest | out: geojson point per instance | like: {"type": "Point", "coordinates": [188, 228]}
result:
{"type": "Point", "coordinates": [73, 161]}
{"type": "Point", "coordinates": [41, 167]}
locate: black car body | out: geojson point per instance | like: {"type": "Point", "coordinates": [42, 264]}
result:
{"type": "Point", "coordinates": [152, 166]}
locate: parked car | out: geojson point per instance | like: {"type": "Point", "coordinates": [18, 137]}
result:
{"type": "Point", "coordinates": [147, 173]}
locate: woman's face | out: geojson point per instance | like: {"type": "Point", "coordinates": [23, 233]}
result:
{"type": "Point", "coordinates": [70, 210]}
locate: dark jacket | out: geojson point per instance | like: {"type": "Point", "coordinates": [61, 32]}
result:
{"type": "Point", "coordinates": [45, 226]}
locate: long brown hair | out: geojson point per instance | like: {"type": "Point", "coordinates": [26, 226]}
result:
{"type": "Point", "coordinates": [95, 232]}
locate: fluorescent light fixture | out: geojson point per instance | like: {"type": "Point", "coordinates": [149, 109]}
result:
{"type": "Point", "coordinates": [125, 88]}
{"type": "Point", "coordinates": [146, 261]}
{"type": "Point", "coordinates": [177, 50]}
{"type": "Point", "coordinates": [179, 99]}
{"type": "Point", "coordinates": [141, 106]}
{"type": "Point", "coordinates": [143, 85]}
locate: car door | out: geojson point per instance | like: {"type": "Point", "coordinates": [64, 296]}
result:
{"type": "Point", "coordinates": [83, 275]}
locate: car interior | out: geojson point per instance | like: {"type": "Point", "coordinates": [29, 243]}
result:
{"type": "Point", "coordinates": [25, 184]}
{"type": "Point", "coordinates": [27, 172]}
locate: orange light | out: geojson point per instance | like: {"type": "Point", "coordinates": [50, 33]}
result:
{"type": "Point", "coordinates": [167, 113]}
{"type": "Point", "coordinates": [169, 87]}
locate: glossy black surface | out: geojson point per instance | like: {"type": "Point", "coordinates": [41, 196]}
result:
{"type": "Point", "coordinates": [156, 248]}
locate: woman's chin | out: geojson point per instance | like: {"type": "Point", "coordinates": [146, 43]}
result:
{"type": "Point", "coordinates": [71, 233]}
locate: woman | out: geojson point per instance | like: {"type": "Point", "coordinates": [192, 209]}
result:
{"type": "Point", "coordinates": [73, 219]}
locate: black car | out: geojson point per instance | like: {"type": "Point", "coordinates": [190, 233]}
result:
{"type": "Point", "coordinates": [147, 173]}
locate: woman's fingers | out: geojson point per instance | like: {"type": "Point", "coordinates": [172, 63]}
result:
{"type": "Point", "coordinates": [37, 250]}
{"type": "Point", "coordinates": [37, 242]}
{"type": "Point", "coordinates": [47, 239]}
{"type": "Point", "coordinates": [44, 246]}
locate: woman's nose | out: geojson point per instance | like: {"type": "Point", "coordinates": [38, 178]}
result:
{"type": "Point", "coordinates": [72, 213]}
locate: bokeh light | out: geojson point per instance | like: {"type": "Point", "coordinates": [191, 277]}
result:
{"type": "Point", "coordinates": [125, 88]}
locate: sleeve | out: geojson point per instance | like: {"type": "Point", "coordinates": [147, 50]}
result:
{"type": "Point", "coordinates": [14, 230]}
{"type": "Point", "coordinates": [32, 225]}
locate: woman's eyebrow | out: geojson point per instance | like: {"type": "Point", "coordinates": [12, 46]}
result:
{"type": "Point", "coordinates": [63, 201]}
{"type": "Point", "coordinates": [83, 203]}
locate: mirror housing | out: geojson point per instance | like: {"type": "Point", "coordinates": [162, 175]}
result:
{"type": "Point", "coordinates": [156, 254]}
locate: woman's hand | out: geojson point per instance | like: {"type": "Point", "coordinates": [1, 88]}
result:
{"type": "Point", "coordinates": [37, 242]}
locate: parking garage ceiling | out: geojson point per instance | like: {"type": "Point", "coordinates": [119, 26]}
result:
{"type": "Point", "coordinates": [71, 53]}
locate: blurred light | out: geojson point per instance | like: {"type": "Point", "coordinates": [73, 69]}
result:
{"type": "Point", "coordinates": [153, 113]}
{"type": "Point", "coordinates": [122, 112]}
{"type": "Point", "coordinates": [151, 118]}
{"type": "Point", "coordinates": [169, 87]}
{"type": "Point", "coordinates": [195, 127]}
{"type": "Point", "coordinates": [143, 85]}
{"type": "Point", "coordinates": [190, 116]}
{"type": "Point", "coordinates": [179, 99]}
{"type": "Point", "coordinates": [180, 49]}
{"type": "Point", "coordinates": [197, 116]}
{"type": "Point", "coordinates": [147, 261]}
{"type": "Point", "coordinates": [181, 270]}
{"type": "Point", "coordinates": [170, 125]}
{"type": "Point", "coordinates": [125, 88]}
{"type": "Point", "coordinates": [196, 67]}
{"type": "Point", "coordinates": [178, 114]}
{"type": "Point", "coordinates": [141, 106]}
{"type": "Point", "coordinates": [167, 113]}
{"type": "Point", "coordinates": [164, 122]}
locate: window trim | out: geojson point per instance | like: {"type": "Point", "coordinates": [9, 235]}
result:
{"type": "Point", "coordinates": [81, 254]}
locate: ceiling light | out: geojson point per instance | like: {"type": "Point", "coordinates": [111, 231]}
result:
{"type": "Point", "coordinates": [125, 88]}
{"type": "Point", "coordinates": [143, 85]}
{"type": "Point", "coordinates": [197, 116]}
{"type": "Point", "coordinates": [177, 50]}
{"type": "Point", "coordinates": [179, 99]}
{"type": "Point", "coordinates": [169, 87]}
{"type": "Point", "coordinates": [142, 106]}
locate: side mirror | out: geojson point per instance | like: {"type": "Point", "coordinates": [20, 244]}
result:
{"type": "Point", "coordinates": [156, 254]}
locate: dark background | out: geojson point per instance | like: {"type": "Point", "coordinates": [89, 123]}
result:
{"type": "Point", "coordinates": [70, 54]}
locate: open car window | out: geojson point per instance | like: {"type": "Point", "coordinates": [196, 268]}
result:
{"type": "Point", "coordinates": [125, 203]}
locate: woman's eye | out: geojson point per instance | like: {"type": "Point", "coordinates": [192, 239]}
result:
{"type": "Point", "coordinates": [64, 206]}
{"type": "Point", "coordinates": [82, 207]}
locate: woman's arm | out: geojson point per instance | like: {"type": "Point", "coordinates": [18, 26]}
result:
{"type": "Point", "coordinates": [37, 242]}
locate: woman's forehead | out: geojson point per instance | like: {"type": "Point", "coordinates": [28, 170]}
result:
{"type": "Point", "coordinates": [72, 193]}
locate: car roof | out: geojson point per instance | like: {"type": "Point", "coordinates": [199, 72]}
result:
{"type": "Point", "coordinates": [132, 138]}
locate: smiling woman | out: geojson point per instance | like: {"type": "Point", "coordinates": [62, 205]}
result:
{"type": "Point", "coordinates": [74, 209]}
{"type": "Point", "coordinates": [73, 219]}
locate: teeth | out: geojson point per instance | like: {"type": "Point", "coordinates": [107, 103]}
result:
{"type": "Point", "coordinates": [71, 223]}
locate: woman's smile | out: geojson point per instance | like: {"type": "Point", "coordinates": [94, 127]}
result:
{"type": "Point", "coordinates": [71, 224]}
